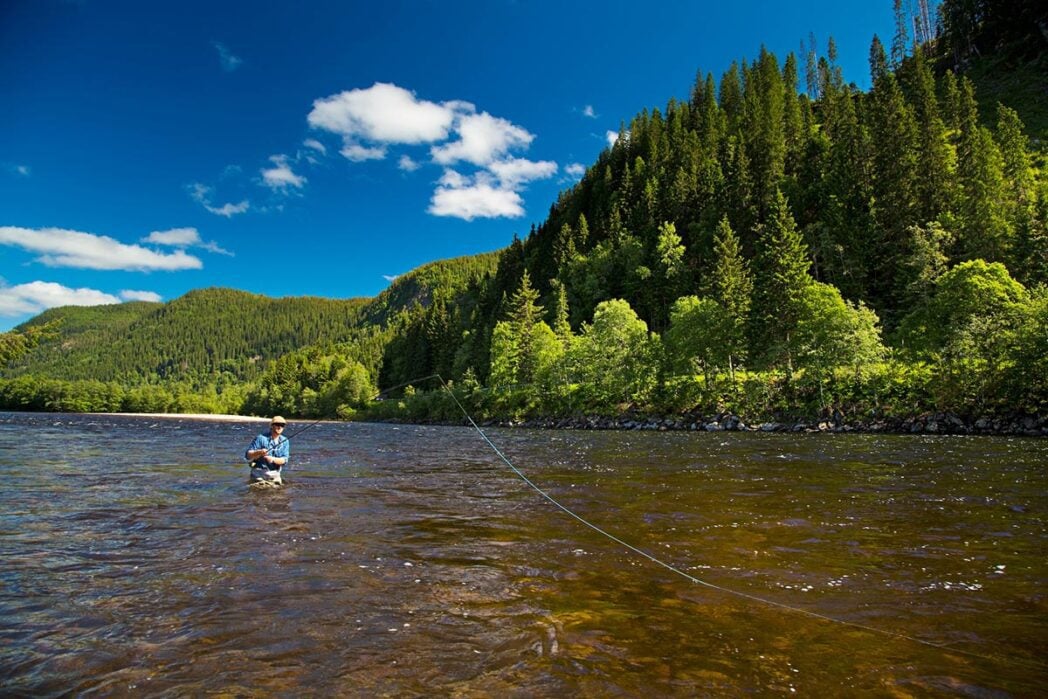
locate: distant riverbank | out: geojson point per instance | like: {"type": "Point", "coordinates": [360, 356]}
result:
{"type": "Point", "coordinates": [193, 416]}
{"type": "Point", "coordinates": [936, 423]}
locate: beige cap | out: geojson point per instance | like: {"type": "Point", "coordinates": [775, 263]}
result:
{"type": "Point", "coordinates": [277, 420]}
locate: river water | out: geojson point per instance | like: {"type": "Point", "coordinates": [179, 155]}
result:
{"type": "Point", "coordinates": [412, 561]}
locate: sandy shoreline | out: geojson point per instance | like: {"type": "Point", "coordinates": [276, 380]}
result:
{"type": "Point", "coordinates": [193, 416]}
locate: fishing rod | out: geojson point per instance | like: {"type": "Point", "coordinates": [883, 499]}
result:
{"type": "Point", "coordinates": [406, 383]}
{"type": "Point", "coordinates": [300, 431]}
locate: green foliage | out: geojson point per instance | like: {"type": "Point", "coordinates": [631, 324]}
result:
{"type": "Point", "coordinates": [924, 262]}
{"type": "Point", "coordinates": [613, 360]}
{"type": "Point", "coordinates": [311, 383]}
{"type": "Point", "coordinates": [833, 333]}
{"type": "Point", "coordinates": [1025, 379]}
{"type": "Point", "coordinates": [699, 337]}
{"type": "Point", "coordinates": [969, 295]}
{"type": "Point", "coordinates": [14, 344]}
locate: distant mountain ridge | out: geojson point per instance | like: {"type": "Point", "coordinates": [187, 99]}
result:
{"type": "Point", "coordinates": [215, 331]}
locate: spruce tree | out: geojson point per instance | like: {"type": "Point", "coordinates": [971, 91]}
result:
{"type": "Point", "coordinates": [737, 184]}
{"type": "Point", "coordinates": [1031, 241]}
{"type": "Point", "coordinates": [985, 231]}
{"type": "Point", "coordinates": [582, 234]}
{"type": "Point", "coordinates": [792, 121]}
{"type": "Point", "coordinates": [764, 129]}
{"type": "Point", "coordinates": [951, 101]}
{"type": "Point", "coordinates": [781, 278]}
{"type": "Point", "coordinates": [902, 35]}
{"type": "Point", "coordinates": [563, 248]}
{"type": "Point", "coordinates": [732, 289]}
{"type": "Point", "coordinates": [730, 98]}
{"type": "Point", "coordinates": [558, 312]}
{"type": "Point", "coordinates": [523, 314]}
{"type": "Point", "coordinates": [934, 155]}
{"type": "Point", "coordinates": [893, 138]}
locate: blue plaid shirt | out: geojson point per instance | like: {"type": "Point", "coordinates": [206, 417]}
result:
{"type": "Point", "coordinates": [279, 447]}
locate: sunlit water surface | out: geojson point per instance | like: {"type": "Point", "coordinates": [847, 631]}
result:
{"type": "Point", "coordinates": [404, 560]}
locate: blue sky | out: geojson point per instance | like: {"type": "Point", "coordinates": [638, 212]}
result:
{"type": "Point", "coordinates": [322, 148]}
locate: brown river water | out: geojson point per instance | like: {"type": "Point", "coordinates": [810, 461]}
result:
{"type": "Point", "coordinates": [412, 561]}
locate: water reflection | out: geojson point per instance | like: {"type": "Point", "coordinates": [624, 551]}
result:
{"type": "Point", "coordinates": [409, 560]}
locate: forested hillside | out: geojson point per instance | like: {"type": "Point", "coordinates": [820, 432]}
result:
{"type": "Point", "coordinates": [777, 243]}
{"type": "Point", "coordinates": [217, 350]}
{"type": "Point", "coordinates": [781, 242]}
{"type": "Point", "coordinates": [205, 333]}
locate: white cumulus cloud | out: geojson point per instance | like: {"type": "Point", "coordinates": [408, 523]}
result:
{"type": "Point", "coordinates": [384, 113]}
{"type": "Point", "coordinates": [36, 297]}
{"type": "Point", "coordinates": [58, 247]}
{"type": "Point", "coordinates": [575, 170]}
{"type": "Point", "coordinates": [611, 137]}
{"type": "Point", "coordinates": [482, 139]}
{"type": "Point", "coordinates": [515, 172]}
{"type": "Point", "coordinates": [372, 120]}
{"type": "Point", "coordinates": [475, 200]}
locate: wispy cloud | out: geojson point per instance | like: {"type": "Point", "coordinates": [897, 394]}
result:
{"type": "Point", "coordinates": [358, 153]}
{"type": "Point", "coordinates": [390, 277]}
{"type": "Point", "coordinates": [58, 247]}
{"type": "Point", "coordinates": [36, 297]}
{"type": "Point", "coordinates": [407, 164]}
{"type": "Point", "coordinates": [17, 169]}
{"type": "Point", "coordinates": [315, 145]}
{"type": "Point", "coordinates": [229, 209]}
{"type": "Point", "coordinates": [611, 137]}
{"type": "Point", "coordinates": [575, 171]}
{"type": "Point", "coordinates": [587, 111]}
{"type": "Point", "coordinates": [229, 61]}
{"type": "Point", "coordinates": [280, 177]}
{"type": "Point", "coordinates": [133, 295]}
{"type": "Point", "coordinates": [183, 238]}
{"type": "Point", "coordinates": [202, 195]}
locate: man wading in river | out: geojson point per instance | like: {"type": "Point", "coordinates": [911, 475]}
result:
{"type": "Point", "coordinates": [268, 453]}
